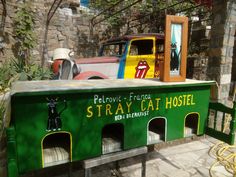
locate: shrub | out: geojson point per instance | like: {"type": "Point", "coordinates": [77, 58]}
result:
{"type": "Point", "coordinates": [24, 33]}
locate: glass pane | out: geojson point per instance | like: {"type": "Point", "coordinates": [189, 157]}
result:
{"type": "Point", "coordinates": [175, 53]}
{"type": "Point", "coordinates": [114, 49]}
{"type": "Point", "coordinates": [141, 47]}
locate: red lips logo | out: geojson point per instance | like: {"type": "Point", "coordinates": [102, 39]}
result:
{"type": "Point", "coordinates": [141, 69]}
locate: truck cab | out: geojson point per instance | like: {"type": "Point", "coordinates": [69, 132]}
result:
{"type": "Point", "coordinates": [129, 56]}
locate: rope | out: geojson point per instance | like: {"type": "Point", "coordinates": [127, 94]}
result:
{"type": "Point", "coordinates": [224, 155]}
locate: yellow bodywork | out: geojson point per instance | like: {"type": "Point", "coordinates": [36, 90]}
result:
{"type": "Point", "coordinates": [140, 66]}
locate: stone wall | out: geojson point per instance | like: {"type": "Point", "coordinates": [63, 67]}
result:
{"type": "Point", "coordinates": [233, 75]}
{"type": "Point", "coordinates": [69, 27]}
{"type": "Point", "coordinates": [221, 46]}
{"type": "Point", "coordinates": [214, 57]}
{"type": "Point", "coordinates": [198, 51]}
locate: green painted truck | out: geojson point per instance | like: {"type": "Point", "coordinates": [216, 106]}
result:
{"type": "Point", "coordinates": [84, 119]}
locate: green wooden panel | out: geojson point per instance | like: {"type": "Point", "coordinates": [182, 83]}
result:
{"type": "Point", "coordinates": [228, 138]}
{"type": "Point", "coordinates": [219, 134]}
{"type": "Point", "coordinates": [90, 109]}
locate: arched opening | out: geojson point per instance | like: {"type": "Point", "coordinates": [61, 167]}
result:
{"type": "Point", "coordinates": [156, 131]}
{"type": "Point", "coordinates": [191, 124]}
{"type": "Point", "coordinates": [112, 138]}
{"type": "Point", "coordinates": [56, 149]}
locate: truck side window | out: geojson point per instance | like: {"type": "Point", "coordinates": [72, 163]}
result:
{"type": "Point", "coordinates": [141, 47]}
{"type": "Point", "coordinates": [113, 49]}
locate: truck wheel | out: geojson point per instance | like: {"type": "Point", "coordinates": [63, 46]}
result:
{"type": "Point", "coordinates": [90, 75]}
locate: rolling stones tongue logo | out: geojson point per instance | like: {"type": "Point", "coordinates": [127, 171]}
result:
{"type": "Point", "coordinates": [141, 69]}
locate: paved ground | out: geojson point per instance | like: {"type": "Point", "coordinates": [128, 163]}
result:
{"type": "Point", "coordinates": [184, 160]}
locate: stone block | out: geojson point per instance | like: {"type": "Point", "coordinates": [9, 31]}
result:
{"type": "Point", "coordinates": [223, 51]}
{"type": "Point", "coordinates": [225, 79]}
{"type": "Point", "coordinates": [229, 51]}
{"type": "Point", "coordinates": [9, 20]}
{"type": "Point", "coordinates": [229, 29]}
{"type": "Point", "coordinates": [228, 40]}
{"type": "Point", "coordinates": [66, 23]}
{"type": "Point", "coordinates": [226, 60]}
{"type": "Point", "coordinates": [52, 38]}
{"type": "Point", "coordinates": [83, 29]}
{"type": "Point", "coordinates": [53, 28]}
{"type": "Point", "coordinates": [223, 95]}
{"type": "Point", "coordinates": [73, 34]}
{"type": "Point", "coordinates": [232, 18]}
{"type": "Point", "coordinates": [225, 69]}
{"type": "Point", "coordinates": [71, 28]}
{"type": "Point", "coordinates": [224, 91]}
{"type": "Point", "coordinates": [61, 19]}
{"type": "Point", "coordinates": [53, 42]}
{"type": "Point", "coordinates": [60, 28]}
{"type": "Point", "coordinates": [8, 25]}
{"type": "Point", "coordinates": [231, 4]}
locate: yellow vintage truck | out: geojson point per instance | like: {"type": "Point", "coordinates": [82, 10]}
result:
{"type": "Point", "coordinates": [130, 56]}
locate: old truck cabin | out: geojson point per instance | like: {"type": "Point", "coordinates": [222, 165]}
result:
{"type": "Point", "coordinates": [130, 56]}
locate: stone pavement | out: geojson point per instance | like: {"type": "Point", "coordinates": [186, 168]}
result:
{"type": "Point", "coordinates": [189, 159]}
{"type": "Point", "coordinates": [184, 160]}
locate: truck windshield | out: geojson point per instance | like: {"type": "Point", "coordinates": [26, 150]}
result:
{"type": "Point", "coordinates": [113, 49]}
{"type": "Point", "coordinates": [141, 47]}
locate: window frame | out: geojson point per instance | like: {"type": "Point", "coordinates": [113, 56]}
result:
{"type": "Point", "coordinates": [165, 66]}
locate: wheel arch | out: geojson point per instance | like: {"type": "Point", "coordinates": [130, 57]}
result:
{"type": "Point", "coordinates": [90, 75]}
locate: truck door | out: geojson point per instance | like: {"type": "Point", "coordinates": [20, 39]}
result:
{"type": "Point", "coordinates": [140, 60]}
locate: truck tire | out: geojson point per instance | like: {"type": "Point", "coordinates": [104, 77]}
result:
{"type": "Point", "coordinates": [90, 75]}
